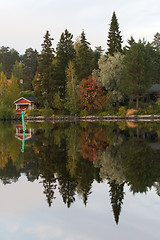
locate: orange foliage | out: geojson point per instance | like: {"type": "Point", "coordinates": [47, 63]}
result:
{"type": "Point", "coordinates": [131, 112]}
{"type": "Point", "coordinates": [92, 96]}
{"type": "Point", "coordinates": [92, 140]}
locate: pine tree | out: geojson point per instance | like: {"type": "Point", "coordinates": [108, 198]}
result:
{"type": "Point", "coordinates": [84, 61]}
{"type": "Point", "coordinates": [45, 81]}
{"type": "Point", "coordinates": [156, 42]}
{"type": "Point", "coordinates": [65, 53]}
{"type": "Point", "coordinates": [114, 41]}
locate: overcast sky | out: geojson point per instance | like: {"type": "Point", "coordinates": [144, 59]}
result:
{"type": "Point", "coordinates": [23, 23]}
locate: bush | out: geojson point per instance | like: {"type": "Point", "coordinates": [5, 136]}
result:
{"type": "Point", "coordinates": [83, 113]}
{"type": "Point", "coordinates": [5, 112]}
{"type": "Point", "coordinates": [121, 111]}
{"type": "Point", "coordinates": [149, 110]}
{"type": "Point", "coordinates": [46, 112]}
{"type": "Point", "coordinates": [103, 114]}
{"type": "Point", "coordinates": [131, 111]}
{"type": "Point", "coordinates": [32, 112]}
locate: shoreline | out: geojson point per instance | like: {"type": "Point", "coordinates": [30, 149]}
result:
{"type": "Point", "coordinates": [94, 118]}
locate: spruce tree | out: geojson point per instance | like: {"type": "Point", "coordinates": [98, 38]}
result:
{"type": "Point", "coordinates": [45, 82]}
{"type": "Point", "coordinates": [117, 196]}
{"type": "Point", "coordinates": [114, 41]}
{"type": "Point", "coordinates": [156, 42]}
{"type": "Point", "coordinates": [84, 61]}
{"type": "Point", "coordinates": [30, 64]}
{"type": "Point", "coordinates": [65, 52]}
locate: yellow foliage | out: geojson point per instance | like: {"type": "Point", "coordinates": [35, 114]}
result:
{"type": "Point", "coordinates": [131, 124]}
{"type": "Point", "coordinates": [131, 112]}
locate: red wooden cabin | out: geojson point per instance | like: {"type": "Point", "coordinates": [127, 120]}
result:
{"type": "Point", "coordinates": [19, 132]}
{"type": "Point", "coordinates": [24, 103]}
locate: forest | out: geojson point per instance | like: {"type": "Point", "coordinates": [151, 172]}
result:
{"type": "Point", "coordinates": [74, 79]}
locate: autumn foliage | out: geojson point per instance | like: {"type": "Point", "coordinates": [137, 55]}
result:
{"type": "Point", "coordinates": [92, 96]}
{"type": "Point", "coordinates": [92, 141]}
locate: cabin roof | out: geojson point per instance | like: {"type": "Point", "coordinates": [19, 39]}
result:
{"type": "Point", "coordinates": [30, 99]}
{"type": "Point", "coordinates": [154, 88]}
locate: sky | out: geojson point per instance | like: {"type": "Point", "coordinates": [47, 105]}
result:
{"type": "Point", "coordinates": [26, 215]}
{"type": "Point", "coordinates": [23, 23]}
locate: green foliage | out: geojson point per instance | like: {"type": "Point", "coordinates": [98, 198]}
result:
{"type": "Point", "coordinates": [3, 87]}
{"type": "Point", "coordinates": [83, 113]}
{"type": "Point", "coordinates": [27, 93]}
{"type": "Point", "coordinates": [12, 92]}
{"type": "Point", "coordinates": [71, 95]}
{"type": "Point", "coordinates": [114, 41]}
{"type": "Point", "coordinates": [122, 111]}
{"type": "Point", "coordinates": [137, 71]}
{"type": "Point", "coordinates": [156, 42]}
{"type": "Point", "coordinates": [32, 112]}
{"type": "Point", "coordinates": [57, 101]}
{"type": "Point", "coordinates": [30, 64]}
{"type": "Point", "coordinates": [5, 112]}
{"type": "Point", "coordinates": [84, 60]}
{"type": "Point", "coordinates": [8, 57]}
{"type": "Point", "coordinates": [17, 71]}
{"type": "Point", "coordinates": [65, 53]}
{"type": "Point", "coordinates": [149, 109]}
{"type": "Point", "coordinates": [47, 111]}
{"type": "Point", "coordinates": [45, 81]}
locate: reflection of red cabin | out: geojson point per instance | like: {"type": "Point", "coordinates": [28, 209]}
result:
{"type": "Point", "coordinates": [24, 103]}
{"type": "Point", "coordinates": [19, 132]}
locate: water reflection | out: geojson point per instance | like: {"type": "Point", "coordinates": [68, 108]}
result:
{"type": "Point", "coordinates": [69, 157]}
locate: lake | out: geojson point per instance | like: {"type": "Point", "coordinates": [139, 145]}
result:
{"type": "Point", "coordinates": [80, 181]}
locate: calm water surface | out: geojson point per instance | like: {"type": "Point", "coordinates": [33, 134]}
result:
{"type": "Point", "coordinates": [80, 181]}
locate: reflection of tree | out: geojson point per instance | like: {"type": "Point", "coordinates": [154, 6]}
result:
{"type": "Point", "coordinates": [67, 189]}
{"type": "Point", "coordinates": [117, 196]}
{"type": "Point", "coordinates": [9, 146]}
{"type": "Point", "coordinates": [157, 188]}
{"type": "Point", "coordinates": [46, 152]}
{"type": "Point", "coordinates": [49, 187]}
{"type": "Point", "coordinates": [140, 164]}
{"type": "Point", "coordinates": [109, 161]}
{"type": "Point", "coordinates": [85, 175]}
{"type": "Point", "coordinates": [81, 170]}
{"type": "Point", "coordinates": [93, 139]}
{"type": "Point", "coordinates": [9, 173]}
{"type": "Point", "coordinates": [72, 147]}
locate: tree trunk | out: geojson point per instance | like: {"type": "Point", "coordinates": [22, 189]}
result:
{"type": "Point", "coordinates": [137, 103]}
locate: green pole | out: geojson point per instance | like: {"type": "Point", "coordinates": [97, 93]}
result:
{"type": "Point", "coordinates": [23, 121]}
{"type": "Point", "coordinates": [23, 131]}
{"type": "Point", "coordinates": [23, 141]}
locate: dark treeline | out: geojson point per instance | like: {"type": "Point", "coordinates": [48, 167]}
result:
{"type": "Point", "coordinates": [71, 78]}
{"type": "Point", "coordinates": [68, 158]}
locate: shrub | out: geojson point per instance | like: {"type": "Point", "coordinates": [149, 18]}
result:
{"type": "Point", "coordinates": [46, 112]}
{"type": "Point", "coordinates": [32, 112]}
{"type": "Point", "coordinates": [121, 111]}
{"type": "Point", "coordinates": [5, 112]}
{"type": "Point", "coordinates": [131, 112]}
{"type": "Point", "coordinates": [83, 113]}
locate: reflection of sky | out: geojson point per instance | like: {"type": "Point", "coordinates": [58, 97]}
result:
{"type": "Point", "coordinates": [25, 215]}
